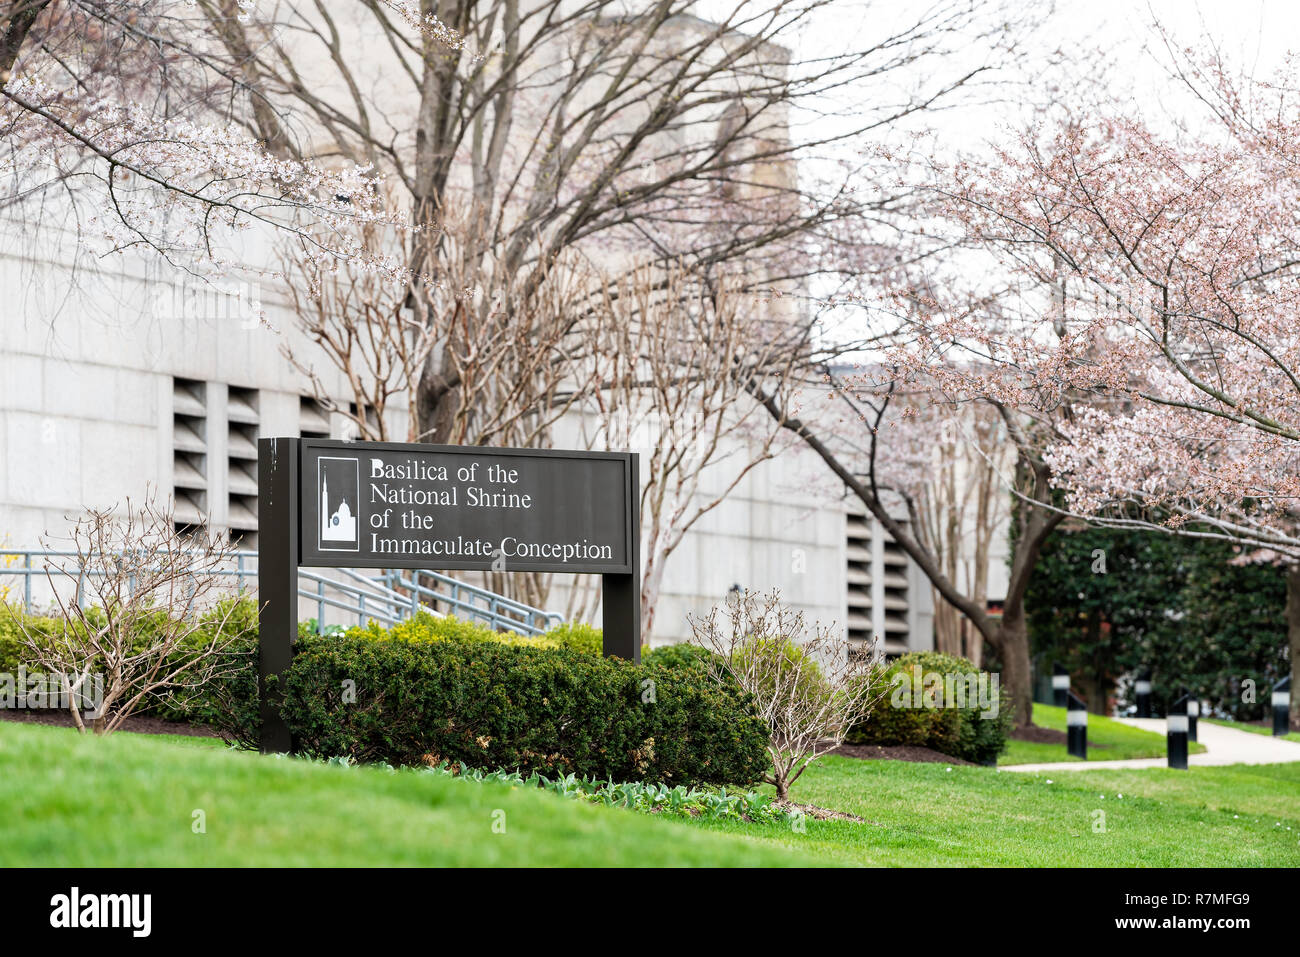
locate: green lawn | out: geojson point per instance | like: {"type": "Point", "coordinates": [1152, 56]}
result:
{"type": "Point", "coordinates": [128, 800]}
{"type": "Point", "coordinates": [125, 800]}
{"type": "Point", "coordinates": [1108, 740]}
{"type": "Point", "coordinates": [1254, 728]}
{"type": "Point", "coordinates": [926, 814]}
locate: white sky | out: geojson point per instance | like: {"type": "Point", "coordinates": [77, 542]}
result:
{"type": "Point", "coordinates": [1253, 36]}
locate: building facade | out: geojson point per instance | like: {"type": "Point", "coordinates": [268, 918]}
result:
{"type": "Point", "coordinates": [118, 378]}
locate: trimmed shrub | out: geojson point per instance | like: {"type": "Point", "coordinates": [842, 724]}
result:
{"type": "Point", "coordinates": [229, 703]}
{"type": "Point", "coordinates": [12, 651]}
{"type": "Point", "coordinates": [902, 716]}
{"type": "Point", "coordinates": [682, 655]}
{"type": "Point", "coordinates": [578, 636]}
{"type": "Point", "coordinates": [487, 704]}
{"type": "Point", "coordinates": [424, 628]}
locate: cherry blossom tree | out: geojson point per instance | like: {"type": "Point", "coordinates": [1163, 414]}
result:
{"type": "Point", "coordinates": [116, 122]}
{"type": "Point", "coordinates": [1151, 269]}
{"type": "Point", "coordinates": [879, 428]}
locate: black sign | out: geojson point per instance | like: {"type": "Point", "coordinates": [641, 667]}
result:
{"type": "Point", "coordinates": [383, 505]}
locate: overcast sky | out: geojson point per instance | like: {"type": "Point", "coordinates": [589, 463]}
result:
{"type": "Point", "coordinates": [1254, 35]}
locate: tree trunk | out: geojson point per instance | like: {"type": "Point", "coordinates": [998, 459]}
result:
{"type": "Point", "coordinates": [948, 622]}
{"type": "Point", "coordinates": [1293, 640]}
{"type": "Point", "coordinates": [974, 644]}
{"type": "Point", "coordinates": [1017, 673]}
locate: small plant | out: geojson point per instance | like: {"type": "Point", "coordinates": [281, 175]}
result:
{"type": "Point", "coordinates": [807, 686]}
{"type": "Point", "coordinates": [679, 801]}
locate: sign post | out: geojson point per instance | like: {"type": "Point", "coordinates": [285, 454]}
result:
{"type": "Point", "coordinates": [334, 504]}
{"type": "Point", "coordinates": [277, 578]}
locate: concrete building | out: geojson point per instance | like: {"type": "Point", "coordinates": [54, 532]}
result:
{"type": "Point", "coordinates": [117, 376]}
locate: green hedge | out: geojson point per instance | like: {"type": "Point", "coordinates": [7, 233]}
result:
{"type": "Point", "coordinates": [959, 732]}
{"type": "Point", "coordinates": [683, 655]}
{"type": "Point", "coordinates": [488, 704]}
{"type": "Point", "coordinates": [430, 689]}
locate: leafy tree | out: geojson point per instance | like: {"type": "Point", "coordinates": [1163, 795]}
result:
{"type": "Point", "coordinates": [1108, 602]}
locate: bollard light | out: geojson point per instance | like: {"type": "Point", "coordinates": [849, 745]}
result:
{"type": "Point", "coordinates": [1282, 707]}
{"type": "Point", "coordinates": [1142, 689]}
{"type": "Point", "coordinates": [1076, 725]}
{"type": "Point", "coordinates": [1193, 712]}
{"type": "Point", "coordinates": [1176, 734]}
{"type": "Point", "coordinates": [1060, 685]}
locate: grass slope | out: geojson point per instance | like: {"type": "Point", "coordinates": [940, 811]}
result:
{"type": "Point", "coordinates": [1108, 740]}
{"type": "Point", "coordinates": [126, 800]}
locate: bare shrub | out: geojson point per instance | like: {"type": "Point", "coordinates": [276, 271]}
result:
{"type": "Point", "coordinates": [810, 685]}
{"type": "Point", "coordinates": [132, 599]}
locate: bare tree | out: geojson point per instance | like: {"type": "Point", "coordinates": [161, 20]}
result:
{"type": "Point", "coordinates": [806, 685]}
{"type": "Point", "coordinates": [962, 505]}
{"type": "Point", "coordinates": [675, 349]}
{"type": "Point", "coordinates": [132, 599]}
{"type": "Point", "coordinates": [589, 125]}
{"type": "Point", "coordinates": [520, 371]}
{"type": "Point", "coordinates": [115, 125]}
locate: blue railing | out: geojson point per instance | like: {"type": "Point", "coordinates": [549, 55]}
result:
{"type": "Point", "coordinates": [388, 596]}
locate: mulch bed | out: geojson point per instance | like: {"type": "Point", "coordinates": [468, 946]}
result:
{"type": "Point", "coordinates": [1040, 735]}
{"type": "Point", "coordinates": [896, 752]}
{"type": "Point", "coordinates": [138, 725]}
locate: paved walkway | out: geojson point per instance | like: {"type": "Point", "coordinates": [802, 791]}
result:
{"type": "Point", "coordinates": [1222, 746]}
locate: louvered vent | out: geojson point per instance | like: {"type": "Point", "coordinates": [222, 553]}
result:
{"type": "Point", "coordinates": [876, 575]}
{"type": "Point", "coordinates": [241, 452]}
{"type": "Point", "coordinates": [189, 453]}
{"type": "Point", "coordinates": [858, 553]}
{"type": "Point", "coordinates": [313, 419]}
{"type": "Point", "coordinates": [896, 596]}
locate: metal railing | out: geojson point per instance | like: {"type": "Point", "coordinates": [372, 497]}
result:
{"type": "Point", "coordinates": [469, 601]}
{"type": "Point", "coordinates": [387, 596]}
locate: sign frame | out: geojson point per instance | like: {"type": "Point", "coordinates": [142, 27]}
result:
{"type": "Point", "coordinates": [280, 476]}
{"type": "Point", "coordinates": [630, 487]}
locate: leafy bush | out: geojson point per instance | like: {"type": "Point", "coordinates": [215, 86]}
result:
{"type": "Point", "coordinates": [535, 710]}
{"type": "Point", "coordinates": [12, 620]}
{"type": "Point", "coordinates": [578, 636]}
{"type": "Point", "coordinates": [683, 655]}
{"type": "Point", "coordinates": [904, 717]}
{"type": "Point", "coordinates": [229, 703]}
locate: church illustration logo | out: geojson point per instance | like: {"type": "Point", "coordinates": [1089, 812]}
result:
{"type": "Point", "coordinates": [339, 481]}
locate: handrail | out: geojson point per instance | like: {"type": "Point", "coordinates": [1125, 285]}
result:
{"type": "Point", "coordinates": [387, 597]}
